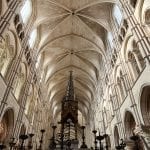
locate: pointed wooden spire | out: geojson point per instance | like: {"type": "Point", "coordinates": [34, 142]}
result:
{"type": "Point", "coordinates": [70, 89]}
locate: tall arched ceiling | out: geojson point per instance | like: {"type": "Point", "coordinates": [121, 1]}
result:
{"type": "Point", "coordinates": [72, 37]}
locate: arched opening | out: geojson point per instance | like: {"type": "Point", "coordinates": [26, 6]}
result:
{"type": "Point", "coordinates": [133, 3]}
{"type": "Point", "coordinates": [138, 56]}
{"type": "Point", "coordinates": [130, 125]}
{"type": "Point", "coordinates": [105, 116]}
{"type": "Point", "coordinates": [110, 38]}
{"type": "Point", "coordinates": [26, 11]}
{"type": "Point", "coordinates": [145, 105]}
{"type": "Point", "coordinates": [120, 39]}
{"type": "Point", "coordinates": [123, 32]}
{"type": "Point", "coordinates": [111, 104]}
{"type": "Point", "coordinates": [19, 81]}
{"type": "Point", "coordinates": [116, 136]}
{"type": "Point", "coordinates": [134, 66]}
{"type": "Point", "coordinates": [6, 55]}
{"type": "Point", "coordinates": [6, 125]}
{"type": "Point", "coordinates": [22, 130]}
{"type": "Point", "coordinates": [32, 38]}
{"type": "Point", "coordinates": [117, 14]}
{"type": "Point", "coordinates": [29, 99]}
{"type": "Point", "coordinates": [16, 19]}
{"type": "Point", "coordinates": [125, 24]}
{"type": "Point", "coordinates": [147, 16]}
{"type": "Point", "coordinates": [108, 142]}
{"type": "Point", "coordinates": [120, 89]}
{"type": "Point", "coordinates": [114, 58]}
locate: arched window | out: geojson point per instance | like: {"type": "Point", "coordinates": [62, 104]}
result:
{"type": "Point", "coordinates": [120, 88]}
{"type": "Point", "coordinates": [117, 14]}
{"type": "Point", "coordinates": [26, 11]}
{"type": "Point", "coordinates": [147, 16]}
{"type": "Point", "coordinates": [6, 125]}
{"type": "Point", "coordinates": [37, 65]}
{"type": "Point", "coordinates": [134, 66]}
{"type": "Point", "coordinates": [111, 104]}
{"type": "Point", "coordinates": [130, 123]}
{"type": "Point", "coordinates": [32, 38]}
{"type": "Point", "coordinates": [123, 32]}
{"type": "Point", "coordinates": [123, 84]}
{"type": "Point", "coordinates": [110, 38]}
{"type": "Point", "coordinates": [116, 135]}
{"type": "Point", "coordinates": [105, 116]}
{"type": "Point", "coordinates": [114, 58]}
{"type": "Point", "coordinates": [138, 56]}
{"type": "Point", "coordinates": [29, 99]}
{"type": "Point", "coordinates": [23, 129]}
{"type": "Point", "coordinates": [19, 81]}
{"type": "Point", "coordinates": [7, 53]}
{"type": "Point", "coordinates": [145, 105]}
{"type": "Point", "coordinates": [133, 3]}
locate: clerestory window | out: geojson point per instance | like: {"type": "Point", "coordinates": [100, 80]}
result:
{"type": "Point", "coordinates": [26, 11]}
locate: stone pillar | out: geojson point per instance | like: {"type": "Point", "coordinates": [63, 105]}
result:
{"type": "Point", "coordinates": [144, 133]}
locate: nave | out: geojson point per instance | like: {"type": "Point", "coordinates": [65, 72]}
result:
{"type": "Point", "coordinates": [75, 74]}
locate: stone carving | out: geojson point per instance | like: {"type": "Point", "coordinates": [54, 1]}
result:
{"type": "Point", "coordinates": [143, 131]}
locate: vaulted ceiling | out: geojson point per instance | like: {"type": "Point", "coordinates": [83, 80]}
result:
{"type": "Point", "coordinates": [72, 37]}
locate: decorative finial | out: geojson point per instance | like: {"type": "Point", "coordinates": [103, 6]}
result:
{"type": "Point", "coordinates": [70, 88]}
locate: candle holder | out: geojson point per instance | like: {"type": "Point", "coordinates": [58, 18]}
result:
{"type": "Point", "coordinates": [68, 143]}
{"type": "Point", "coordinates": [53, 143]}
{"type": "Point", "coordinates": [41, 140]}
{"type": "Point", "coordinates": [106, 140]}
{"type": "Point", "coordinates": [30, 145]}
{"type": "Point", "coordinates": [83, 138]}
{"type": "Point", "coordinates": [2, 146]}
{"type": "Point", "coordinates": [23, 137]}
{"type": "Point", "coordinates": [12, 143]}
{"type": "Point", "coordinates": [122, 145]}
{"type": "Point", "coordinates": [100, 138]}
{"type": "Point", "coordinates": [95, 142]}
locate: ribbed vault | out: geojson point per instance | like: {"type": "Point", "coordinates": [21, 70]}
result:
{"type": "Point", "coordinates": [72, 37]}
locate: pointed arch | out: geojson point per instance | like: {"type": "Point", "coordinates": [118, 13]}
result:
{"type": "Point", "coordinates": [6, 125]}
